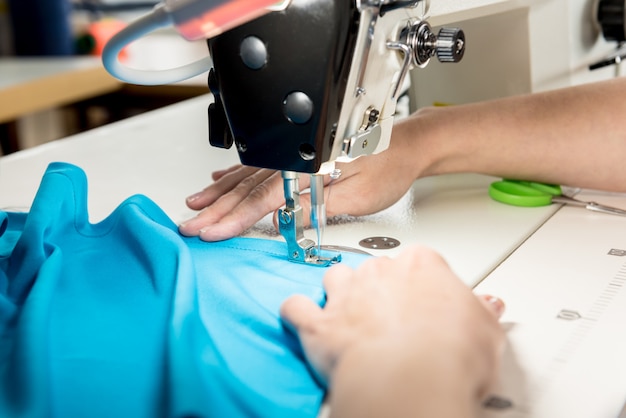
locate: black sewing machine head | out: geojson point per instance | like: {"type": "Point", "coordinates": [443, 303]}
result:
{"type": "Point", "coordinates": [317, 81]}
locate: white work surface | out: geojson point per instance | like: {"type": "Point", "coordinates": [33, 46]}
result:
{"type": "Point", "coordinates": [565, 290]}
{"type": "Point", "coordinates": [166, 155]}
{"type": "Point", "coordinates": [565, 326]}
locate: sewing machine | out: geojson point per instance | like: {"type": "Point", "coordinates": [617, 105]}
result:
{"type": "Point", "coordinates": [311, 83]}
{"type": "Point", "coordinates": [301, 84]}
{"type": "Point", "coordinates": [559, 270]}
{"type": "Point", "coordinates": [315, 83]}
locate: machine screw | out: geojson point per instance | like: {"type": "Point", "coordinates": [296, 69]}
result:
{"type": "Point", "coordinates": [241, 145]}
{"type": "Point", "coordinates": [373, 116]}
{"type": "Point", "coordinates": [285, 217]}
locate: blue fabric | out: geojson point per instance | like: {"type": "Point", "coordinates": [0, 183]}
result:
{"type": "Point", "coordinates": [127, 318]}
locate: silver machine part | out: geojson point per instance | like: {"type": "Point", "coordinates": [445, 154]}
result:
{"type": "Point", "coordinates": [290, 224]}
{"type": "Point", "coordinates": [318, 208]}
{"type": "Point", "coordinates": [392, 40]}
{"type": "Point", "coordinates": [593, 206]}
{"type": "Point", "coordinates": [299, 120]}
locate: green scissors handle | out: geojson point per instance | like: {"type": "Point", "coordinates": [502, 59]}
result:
{"type": "Point", "coordinates": [524, 193]}
{"type": "Point", "coordinates": [531, 194]}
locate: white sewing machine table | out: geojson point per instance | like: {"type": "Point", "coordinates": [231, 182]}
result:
{"type": "Point", "coordinates": [566, 307]}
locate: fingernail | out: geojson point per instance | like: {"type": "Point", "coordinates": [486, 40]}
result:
{"type": "Point", "coordinates": [182, 229]}
{"type": "Point", "coordinates": [496, 303]}
{"type": "Point", "coordinates": [193, 197]}
{"type": "Point", "coordinates": [203, 231]}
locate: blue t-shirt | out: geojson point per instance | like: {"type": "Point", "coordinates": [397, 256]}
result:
{"type": "Point", "coordinates": [127, 318]}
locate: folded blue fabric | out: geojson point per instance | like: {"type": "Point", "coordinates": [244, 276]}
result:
{"type": "Point", "coordinates": [127, 318]}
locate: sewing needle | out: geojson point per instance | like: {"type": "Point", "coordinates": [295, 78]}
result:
{"type": "Point", "coordinates": [318, 208]}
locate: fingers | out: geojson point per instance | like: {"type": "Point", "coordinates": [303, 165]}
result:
{"type": "Point", "coordinates": [493, 304]}
{"type": "Point", "coordinates": [298, 312]}
{"type": "Point", "coordinates": [407, 300]}
{"type": "Point", "coordinates": [226, 181]}
{"type": "Point", "coordinates": [241, 195]}
{"type": "Point", "coordinates": [234, 204]}
{"type": "Point", "coordinates": [417, 255]}
{"type": "Point", "coordinates": [337, 282]}
{"type": "Point", "coordinates": [494, 344]}
{"type": "Point", "coordinates": [218, 174]}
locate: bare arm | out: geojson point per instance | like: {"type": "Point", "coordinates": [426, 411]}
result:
{"type": "Point", "coordinates": [574, 136]}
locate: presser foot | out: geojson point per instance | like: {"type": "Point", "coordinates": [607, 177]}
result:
{"type": "Point", "coordinates": [301, 249]}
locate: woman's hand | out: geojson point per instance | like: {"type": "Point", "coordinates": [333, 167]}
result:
{"type": "Point", "coordinates": [240, 196]}
{"type": "Point", "coordinates": [400, 335]}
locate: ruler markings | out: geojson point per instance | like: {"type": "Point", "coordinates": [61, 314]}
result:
{"type": "Point", "coordinates": [581, 331]}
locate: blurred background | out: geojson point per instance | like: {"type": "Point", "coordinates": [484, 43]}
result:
{"type": "Point", "coordinates": [61, 39]}
{"type": "Point", "coordinates": [52, 83]}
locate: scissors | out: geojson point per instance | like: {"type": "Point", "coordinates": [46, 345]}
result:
{"type": "Point", "coordinates": [532, 194]}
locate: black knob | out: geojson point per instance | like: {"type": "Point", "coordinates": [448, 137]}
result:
{"type": "Point", "coordinates": [450, 45]}
{"type": "Point", "coordinates": [610, 17]}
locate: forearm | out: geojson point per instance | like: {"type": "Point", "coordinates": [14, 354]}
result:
{"type": "Point", "coordinates": [574, 136]}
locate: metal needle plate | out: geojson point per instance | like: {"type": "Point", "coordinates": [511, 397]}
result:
{"type": "Point", "coordinates": [379, 243]}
